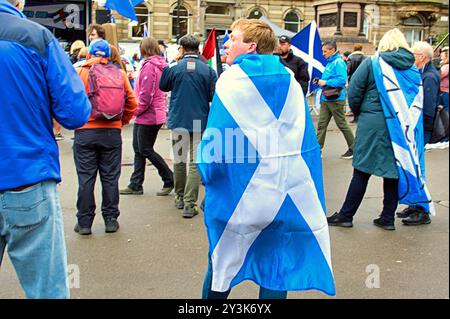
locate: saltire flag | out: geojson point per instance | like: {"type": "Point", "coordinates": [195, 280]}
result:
{"type": "Point", "coordinates": [124, 7]}
{"type": "Point", "coordinates": [145, 30]}
{"type": "Point", "coordinates": [226, 37]}
{"type": "Point", "coordinates": [401, 95]}
{"type": "Point", "coordinates": [307, 45]}
{"type": "Point", "coordinates": [264, 223]}
{"type": "Point", "coordinates": [211, 52]}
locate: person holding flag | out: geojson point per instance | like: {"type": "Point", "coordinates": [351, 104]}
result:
{"type": "Point", "coordinates": [264, 224]}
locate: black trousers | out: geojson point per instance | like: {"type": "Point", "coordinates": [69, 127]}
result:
{"type": "Point", "coordinates": [144, 138]}
{"type": "Point", "coordinates": [97, 150]}
{"type": "Point", "coordinates": [357, 189]}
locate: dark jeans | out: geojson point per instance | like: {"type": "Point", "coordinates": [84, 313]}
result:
{"type": "Point", "coordinates": [144, 138]}
{"type": "Point", "coordinates": [357, 190]}
{"type": "Point", "coordinates": [97, 150]}
{"type": "Point", "coordinates": [264, 293]}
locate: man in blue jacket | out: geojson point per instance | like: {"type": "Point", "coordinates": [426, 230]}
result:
{"type": "Point", "coordinates": [334, 76]}
{"type": "Point", "coordinates": [192, 83]}
{"type": "Point", "coordinates": [38, 82]}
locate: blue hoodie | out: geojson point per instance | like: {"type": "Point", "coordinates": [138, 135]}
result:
{"type": "Point", "coordinates": [37, 83]}
{"type": "Point", "coordinates": [335, 75]}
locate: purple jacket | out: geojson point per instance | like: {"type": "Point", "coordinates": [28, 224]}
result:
{"type": "Point", "coordinates": [151, 108]}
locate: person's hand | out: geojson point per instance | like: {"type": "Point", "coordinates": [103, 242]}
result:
{"type": "Point", "coordinates": [321, 83]}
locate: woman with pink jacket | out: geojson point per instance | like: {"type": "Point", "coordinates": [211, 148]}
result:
{"type": "Point", "coordinates": [150, 116]}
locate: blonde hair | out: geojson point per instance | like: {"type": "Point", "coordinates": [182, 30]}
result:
{"type": "Point", "coordinates": [83, 53]}
{"type": "Point", "coordinates": [393, 40]}
{"type": "Point", "coordinates": [254, 30]}
{"type": "Point", "coordinates": [77, 45]}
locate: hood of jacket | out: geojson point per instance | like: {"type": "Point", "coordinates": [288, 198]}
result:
{"type": "Point", "coordinates": [401, 59]}
{"type": "Point", "coordinates": [156, 60]}
{"type": "Point", "coordinates": [6, 7]}
{"type": "Point", "coordinates": [334, 56]}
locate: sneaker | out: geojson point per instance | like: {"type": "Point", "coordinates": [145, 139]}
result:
{"type": "Point", "coordinates": [130, 191]}
{"type": "Point", "coordinates": [417, 218]}
{"type": "Point", "coordinates": [179, 203]}
{"type": "Point", "coordinates": [111, 225]}
{"type": "Point", "coordinates": [406, 212]}
{"type": "Point", "coordinates": [379, 222]}
{"type": "Point", "coordinates": [82, 230]}
{"type": "Point", "coordinates": [190, 211]}
{"type": "Point", "coordinates": [442, 145]}
{"type": "Point", "coordinates": [165, 191]}
{"type": "Point", "coordinates": [348, 154]}
{"type": "Point", "coordinates": [59, 137]}
{"type": "Point", "coordinates": [339, 220]}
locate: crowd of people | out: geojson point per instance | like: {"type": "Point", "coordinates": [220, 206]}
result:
{"type": "Point", "coordinates": [94, 92]}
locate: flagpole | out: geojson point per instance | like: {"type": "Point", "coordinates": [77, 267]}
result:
{"type": "Point", "coordinates": [178, 20]}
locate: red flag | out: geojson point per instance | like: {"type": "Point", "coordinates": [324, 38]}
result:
{"type": "Point", "coordinates": [209, 50]}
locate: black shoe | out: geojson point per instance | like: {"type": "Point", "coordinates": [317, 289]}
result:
{"type": "Point", "coordinates": [417, 218]}
{"type": "Point", "coordinates": [130, 191]}
{"type": "Point", "coordinates": [179, 203]}
{"type": "Point", "coordinates": [190, 211]}
{"type": "Point", "coordinates": [339, 220]}
{"type": "Point", "coordinates": [348, 154]}
{"type": "Point", "coordinates": [406, 212]}
{"type": "Point", "coordinates": [382, 224]}
{"type": "Point", "coordinates": [82, 230]}
{"type": "Point", "coordinates": [111, 225]}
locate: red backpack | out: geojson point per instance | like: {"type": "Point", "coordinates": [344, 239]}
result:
{"type": "Point", "coordinates": [106, 91]}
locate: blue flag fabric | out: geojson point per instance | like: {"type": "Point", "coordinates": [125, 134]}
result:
{"type": "Point", "coordinates": [264, 223]}
{"type": "Point", "coordinates": [309, 46]}
{"type": "Point", "coordinates": [123, 7]}
{"type": "Point", "coordinates": [401, 94]}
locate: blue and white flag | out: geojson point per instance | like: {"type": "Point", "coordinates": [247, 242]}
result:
{"type": "Point", "coordinates": [401, 94]}
{"type": "Point", "coordinates": [307, 45]}
{"type": "Point", "coordinates": [124, 7]}
{"type": "Point", "coordinates": [260, 162]}
{"type": "Point", "coordinates": [145, 30]}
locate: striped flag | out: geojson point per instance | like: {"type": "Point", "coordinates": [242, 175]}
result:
{"type": "Point", "coordinates": [211, 52]}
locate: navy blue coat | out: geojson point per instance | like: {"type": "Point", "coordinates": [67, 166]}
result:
{"type": "Point", "coordinates": [192, 90]}
{"type": "Point", "coordinates": [431, 81]}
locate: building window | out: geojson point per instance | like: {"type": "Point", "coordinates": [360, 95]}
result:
{"type": "Point", "coordinates": [218, 9]}
{"type": "Point", "coordinates": [366, 26]}
{"type": "Point", "coordinates": [137, 29]}
{"type": "Point", "coordinates": [180, 22]}
{"type": "Point", "coordinates": [413, 30]}
{"type": "Point", "coordinates": [255, 14]}
{"type": "Point", "coordinates": [292, 22]}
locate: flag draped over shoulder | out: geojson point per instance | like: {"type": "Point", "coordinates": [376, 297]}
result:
{"type": "Point", "coordinates": [401, 94]}
{"type": "Point", "coordinates": [307, 45]}
{"type": "Point", "coordinates": [260, 162]}
{"type": "Point", "coordinates": [211, 52]}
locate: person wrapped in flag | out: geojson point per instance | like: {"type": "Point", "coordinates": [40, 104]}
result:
{"type": "Point", "coordinates": [260, 162]}
{"type": "Point", "coordinates": [386, 93]}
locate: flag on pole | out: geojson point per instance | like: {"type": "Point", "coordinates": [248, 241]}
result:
{"type": "Point", "coordinates": [145, 30]}
{"type": "Point", "coordinates": [123, 7]}
{"type": "Point", "coordinates": [307, 45]}
{"type": "Point", "coordinates": [211, 52]}
{"type": "Point", "coordinates": [224, 40]}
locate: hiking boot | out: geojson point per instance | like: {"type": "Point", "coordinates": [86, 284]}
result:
{"type": "Point", "coordinates": [190, 211]}
{"type": "Point", "coordinates": [379, 222]}
{"type": "Point", "coordinates": [130, 191]}
{"type": "Point", "coordinates": [165, 191]}
{"type": "Point", "coordinates": [339, 220]}
{"type": "Point", "coordinates": [82, 230]}
{"type": "Point", "coordinates": [417, 218]}
{"type": "Point", "coordinates": [179, 203]}
{"type": "Point", "coordinates": [348, 154]}
{"type": "Point", "coordinates": [111, 225]}
{"type": "Point", "coordinates": [406, 212]}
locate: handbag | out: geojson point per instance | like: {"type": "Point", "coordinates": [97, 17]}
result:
{"type": "Point", "coordinates": [440, 125]}
{"type": "Point", "coordinates": [331, 93]}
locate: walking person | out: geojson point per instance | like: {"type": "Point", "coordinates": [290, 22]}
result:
{"type": "Point", "coordinates": [150, 116]}
{"type": "Point", "coordinates": [379, 126]}
{"type": "Point", "coordinates": [31, 222]}
{"type": "Point", "coordinates": [332, 100]}
{"type": "Point", "coordinates": [192, 84]}
{"type": "Point", "coordinates": [97, 146]}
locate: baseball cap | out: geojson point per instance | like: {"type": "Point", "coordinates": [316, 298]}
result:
{"type": "Point", "coordinates": [161, 42]}
{"type": "Point", "coordinates": [100, 48]}
{"type": "Point", "coordinates": [285, 38]}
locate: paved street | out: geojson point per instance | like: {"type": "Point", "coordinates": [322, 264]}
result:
{"type": "Point", "coordinates": [158, 254]}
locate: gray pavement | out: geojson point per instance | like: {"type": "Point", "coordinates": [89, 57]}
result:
{"type": "Point", "coordinates": [158, 254]}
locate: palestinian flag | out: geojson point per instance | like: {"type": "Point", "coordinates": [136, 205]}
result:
{"type": "Point", "coordinates": [211, 52]}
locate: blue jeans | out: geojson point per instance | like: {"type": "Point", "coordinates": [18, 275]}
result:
{"type": "Point", "coordinates": [264, 293]}
{"type": "Point", "coordinates": [31, 227]}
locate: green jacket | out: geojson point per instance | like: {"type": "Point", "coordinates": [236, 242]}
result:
{"type": "Point", "coordinates": [372, 150]}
